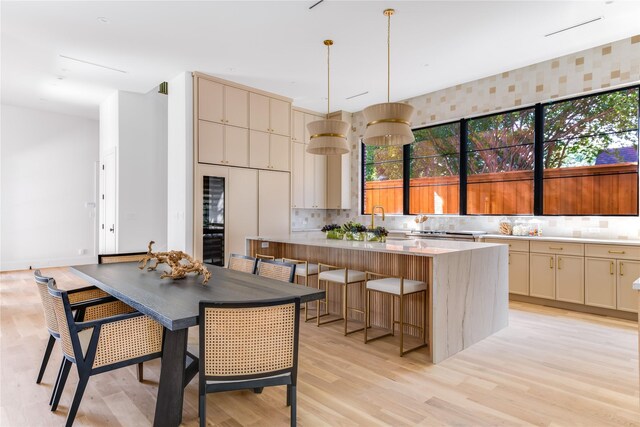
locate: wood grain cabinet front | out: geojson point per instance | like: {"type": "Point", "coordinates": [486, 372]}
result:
{"type": "Point", "coordinates": [269, 115]}
{"type": "Point", "coordinates": [223, 104]}
{"type": "Point", "coordinates": [222, 145]}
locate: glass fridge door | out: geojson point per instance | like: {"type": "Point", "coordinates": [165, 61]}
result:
{"type": "Point", "coordinates": [213, 220]}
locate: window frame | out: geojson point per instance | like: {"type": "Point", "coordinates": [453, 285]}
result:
{"type": "Point", "coordinates": [538, 160]}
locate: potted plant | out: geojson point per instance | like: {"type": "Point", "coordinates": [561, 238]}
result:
{"type": "Point", "coordinates": [333, 231]}
{"type": "Point", "coordinates": [377, 234]}
{"type": "Point", "coordinates": [354, 231]}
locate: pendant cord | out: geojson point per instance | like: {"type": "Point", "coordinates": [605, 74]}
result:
{"type": "Point", "coordinates": [388, 56]}
{"type": "Point", "coordinates": [328, 79]}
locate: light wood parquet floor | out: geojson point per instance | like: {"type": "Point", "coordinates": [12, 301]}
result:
{"type": "Point", "coordinates": [548, 368]}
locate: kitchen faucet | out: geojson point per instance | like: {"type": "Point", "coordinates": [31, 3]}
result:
{"type": "Point", "coordinates": [373, 213]}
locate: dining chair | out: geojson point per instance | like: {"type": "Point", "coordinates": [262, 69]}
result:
{"type": "Point", "coordinates": [89, 303]}
{"type": "Point", "coordinates": [283, 271]}
{"type": "Point", "coordinates": [243, 263]}
{"type": "Point", "coordinates": [114, 258]}
{"type": "Point", "coordinates": [100, 345]}
{"type": "Point", "coordinates": [248, 346]}
{"type": "Point", "coordinates": [127, 257]}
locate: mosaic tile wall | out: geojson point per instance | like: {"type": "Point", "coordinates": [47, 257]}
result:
{"type": "Point", "coordinates": [608, 66]}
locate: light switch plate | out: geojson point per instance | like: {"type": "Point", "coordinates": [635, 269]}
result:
{"type": "Point", "coordinates": [264, 245]}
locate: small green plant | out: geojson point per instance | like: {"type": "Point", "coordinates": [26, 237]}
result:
{"type": "Point", "coordinates": [353, 227]}
{"type": "Point", "coordinates": [330, 227]}
{"type": "Point", "coordinates": [333, 231]}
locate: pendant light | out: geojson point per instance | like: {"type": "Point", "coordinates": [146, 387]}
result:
{"type": "Point", "coordinates": [328, 137]}
{"type": "Point", "coordinates": [388, 123]}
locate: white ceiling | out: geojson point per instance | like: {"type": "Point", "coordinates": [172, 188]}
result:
{"type": "Point", "coordinates": [277, 45]}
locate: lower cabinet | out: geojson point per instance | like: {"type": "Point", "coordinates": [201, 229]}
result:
{"type": "Point", "coordinates": [557, 277]}
{"type": "Point", "coordinates": [542, 276]}
{"type": "Point", "coordinates": [570, 279]}
{"type": "Point", "coordinates": [519, 273]}
{"type": "Point", "coordinates": [609, 282]}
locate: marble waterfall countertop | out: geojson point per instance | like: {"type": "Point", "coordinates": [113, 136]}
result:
{"type": "Point", "coordinates": [421, 247]}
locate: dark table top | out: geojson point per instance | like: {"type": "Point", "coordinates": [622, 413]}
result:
{"type": "Point", "coordinates": [174, 303]}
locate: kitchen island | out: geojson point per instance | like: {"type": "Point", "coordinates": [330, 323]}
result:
{"type": "Point", "coordinates": [468, 282]}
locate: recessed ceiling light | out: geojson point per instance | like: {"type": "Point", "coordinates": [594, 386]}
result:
{"type": "Point", "coordinates": [60, 77]}
{"type": "Point", "coordinates": [103, 20]}
{"type": "Point", "coordinates": [426, 65]}
{"type": "Point", "coordinates": [608, 2]}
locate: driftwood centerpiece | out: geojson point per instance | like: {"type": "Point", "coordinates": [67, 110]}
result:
{"type": "Point", "coordinates": [174, 259]}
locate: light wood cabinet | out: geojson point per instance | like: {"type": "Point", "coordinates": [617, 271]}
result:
{"type": "Point", "coordinates": [220, 144]}
{"type": "Point", "coordinates": [269, 151]}
{"type": "Point", "coordinates": [600, 282]}
{"type": "Point", "coordinates": [518, 264]}
{"type": "Point", "coordinates": [297, 126]}
{"type": "Point", "coordinates": [274, 213]}
{"type": "Point", "coordinates": [557, 271]}
{"type": "Point", "coordinates": [570, 279]}
{"type": "Point", "coordinates": [223, 104]}
{"type": "Point", "coordinates": [609, 282]}
{"type": "Point", "coordinates": [315, 172]}
{"type": "Point", "coordinates": [628, 272]}
{"type": "Point", "coordinates": [519, 273]}
{"type": "Point", "coordinates": [542, 276]}
{"type": "Point", "coordinates": [297, 174]}
{"type": "Point", "coordinates": [339, 174]}
{"type": "Point", "coordinates": [242, 208]}
{"type": "Point", "coordinates": [269, 114]}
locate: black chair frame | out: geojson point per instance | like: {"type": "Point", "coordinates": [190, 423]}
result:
{"type": "Point", "coordinates": [255, 382]}
{"type": "Point", "coordinates": [85, 366]}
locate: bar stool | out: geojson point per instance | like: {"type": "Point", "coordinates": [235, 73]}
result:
{"type": "Point", "coordinates": [267, 257]}
{"type": "Point", "coordinates": [397, 287]}
{"type": "Point", "coordinates": [344, 277]}
{"type": "Point", "coordinates": [304, 269]}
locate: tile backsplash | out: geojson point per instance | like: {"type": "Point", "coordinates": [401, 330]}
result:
{"type": "Point", "coordinates": [608, 66]}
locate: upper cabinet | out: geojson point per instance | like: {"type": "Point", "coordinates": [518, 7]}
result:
{"type": "Point", "coordinates": [269, 114]}
{"type": "Point", "coordinates": [223, 104]}
{"type": "Point", "coordinates": [297, 126]}
{"type": "Point", "coordinates": [235, 125]}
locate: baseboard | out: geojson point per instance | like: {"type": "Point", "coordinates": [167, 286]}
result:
{"type": "Point", "coordinates": [575, 307]}
{"type": "Point", "coordinates": [48, 262]}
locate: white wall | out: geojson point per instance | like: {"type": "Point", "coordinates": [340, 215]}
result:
{"type": "Point", "coordinates": [180, 164]}
{"type": "Point", "coordinates": [136, 126]}
{"type": "Point", "coordinates": [48, 189]}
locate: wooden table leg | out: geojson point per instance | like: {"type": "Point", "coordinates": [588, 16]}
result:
{"type": "Point", "coordinates": [172, 375]}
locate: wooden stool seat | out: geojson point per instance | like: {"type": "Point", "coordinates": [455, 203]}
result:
{"type": "Point", "coordinates": [397, 287]}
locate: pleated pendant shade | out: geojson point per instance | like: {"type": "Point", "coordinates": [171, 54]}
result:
{"type": "Point", "coordinates": [328, 137]}
{"type": "Point", "coordinates": [388, 124]}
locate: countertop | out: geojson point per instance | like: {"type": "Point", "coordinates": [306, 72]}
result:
{"type": "Point", "coordinates": [423, 247]}
{"type": "Point", "coordinates": [566, 239]}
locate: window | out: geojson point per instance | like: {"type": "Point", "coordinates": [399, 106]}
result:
{"type": "Point", "coordinates": [434, 183]}
{"type": "Point", "coordinates": [383, 183]}
{"type": "Point", "coordinates": [571, 157]}
{"type": "Point", "coordinates": [591, 155]}
{"type": "Point", "coordinates": [500, 163]}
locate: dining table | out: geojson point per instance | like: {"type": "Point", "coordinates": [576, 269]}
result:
{"type": "Point", "coordinates": [174, 304]}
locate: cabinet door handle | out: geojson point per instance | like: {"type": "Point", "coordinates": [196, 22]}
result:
{"type": "Point", "coordinates": [509, 258]}
{"type": "Point", "coordinates": [559, 263]}
{"type": "Point", "coordinates": [551, 263]}
{"type": "Point", "coordinates": [617, 252]}
{"type": "Point", "coordinates": [621, 268]}
{"type": "Point", "coordinates": [611, 268]}
{"type": "Point", "coordinates": [555, 248]}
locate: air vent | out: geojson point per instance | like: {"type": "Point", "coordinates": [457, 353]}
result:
{"type": "Point", "coordinates": [575, 26]}
{"type": "Point", "coordinates": [92, 63]}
